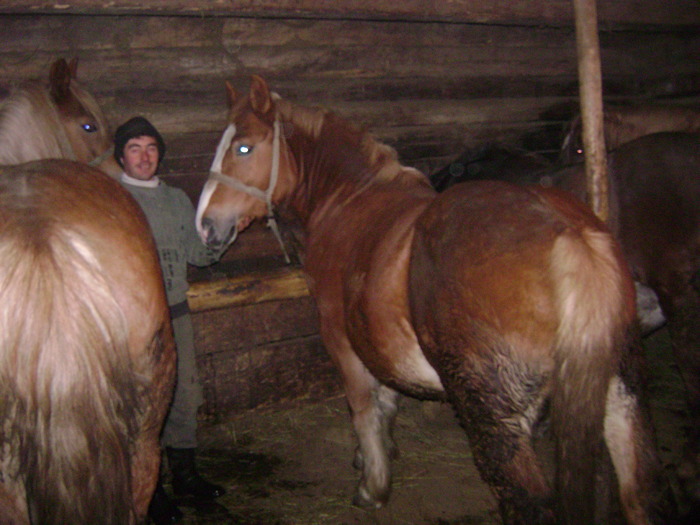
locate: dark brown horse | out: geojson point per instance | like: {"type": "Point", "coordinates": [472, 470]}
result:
{"type": "Point", "coordinates": [87, 360]}
{"type": "Point", "coordinates": [492, 161]}
{"type": "Point", "coordinates": [622, 124]}
{"type": "Point", "coordinates": [493, 296]}
{"type": "Point", "coordinates": [59, 120]}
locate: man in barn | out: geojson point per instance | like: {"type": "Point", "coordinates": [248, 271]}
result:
{"type": "Point", "coordinates": [139, 148]}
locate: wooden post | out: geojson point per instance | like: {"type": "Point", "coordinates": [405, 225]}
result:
{"type": "Point", "coordinates": [590, 92]}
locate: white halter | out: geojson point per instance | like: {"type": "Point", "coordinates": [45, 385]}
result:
{"type": "Point", "coordinates": [215, 174]}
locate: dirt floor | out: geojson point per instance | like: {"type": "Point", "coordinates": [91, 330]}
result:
{"type": "Point", "coordinates": [294, 466]}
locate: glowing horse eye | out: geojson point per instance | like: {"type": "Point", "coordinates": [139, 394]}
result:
{"type": "Point", "coordinates": [244, 149]}
{"type": "Point", "coordinates": [90, 128]}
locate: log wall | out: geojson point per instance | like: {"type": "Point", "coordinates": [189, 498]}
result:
{"type": "Point", "coordinates": [429, 78]}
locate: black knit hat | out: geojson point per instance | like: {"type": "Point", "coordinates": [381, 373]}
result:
{"type": "Point", "coordinates": [133, 128]}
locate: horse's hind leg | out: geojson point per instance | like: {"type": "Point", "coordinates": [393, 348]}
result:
{"type": "Point", "coordinates": [373, 408]}
{"type": "Point", "coordinates": [644, 492]}
{"type": "Point", "coordinates": [497, 408]}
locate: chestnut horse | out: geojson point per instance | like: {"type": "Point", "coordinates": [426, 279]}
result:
{"type": "Point", "coordinates": [654, 196]}
{"type": "Point", "coordinates": [87, 360]}
{"type": "Point", "coordinates": [498, 298]}
{"type": "Point", "coordinates": [61, 120]}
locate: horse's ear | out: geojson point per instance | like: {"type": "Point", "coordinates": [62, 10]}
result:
{"type": "Point", "coordinates": [231, 94]}
{"type": "Point", "coordinates": [260, 98]}
{"type": "Point", "coordinates": [59, 80]}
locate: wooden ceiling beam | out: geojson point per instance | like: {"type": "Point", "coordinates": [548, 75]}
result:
{"type": "Point", "coordinates": [513, 12]}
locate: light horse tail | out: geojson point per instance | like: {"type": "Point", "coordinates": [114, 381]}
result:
{"type": "Point", "coordinates": [594, 303]}
{"type": "Point", "coordinates": [68, 388]}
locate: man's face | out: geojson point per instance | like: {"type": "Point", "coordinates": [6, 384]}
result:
{"type": "Point", "coordinates": [141, 157]}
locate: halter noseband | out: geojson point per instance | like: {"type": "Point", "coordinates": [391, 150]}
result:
{"type": "Point", "coordinates": [215, 174]}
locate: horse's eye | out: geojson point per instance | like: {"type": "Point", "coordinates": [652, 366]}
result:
{"type": "Point", "coordinates": [90, 128]}
{"type": "Point", "coordinates": [243, 149]}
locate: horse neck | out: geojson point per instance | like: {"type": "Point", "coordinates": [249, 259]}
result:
{"type": "Point", "coordinates": [332, 163]}
{"type": "Point", "coordinates": [30, 128]}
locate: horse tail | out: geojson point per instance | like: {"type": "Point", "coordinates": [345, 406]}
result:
{"type": "Point", "coordinates": [593, 303]}
{"type": "Point", "coordinates": [69, 391]}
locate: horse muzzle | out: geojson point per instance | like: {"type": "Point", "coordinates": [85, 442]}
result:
{"type": "Point", "coordinates": [216, 236]}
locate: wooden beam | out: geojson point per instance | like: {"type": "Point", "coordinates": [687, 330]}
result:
{"type": "Point", "coordinates": [282, 283]}
{"type": "Point", "coordinates": [591, 93]}
{"type": "Point", "coordinates": [513, 12]}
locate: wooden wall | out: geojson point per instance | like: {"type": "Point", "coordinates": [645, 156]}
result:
{"type": "Point", "coordinates": [429, 78]}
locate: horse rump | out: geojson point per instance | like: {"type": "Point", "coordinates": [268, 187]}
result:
{"type": "Point", "coordinates": [75, 376]}
{"type": "Point", "coordinates": [520, 299]}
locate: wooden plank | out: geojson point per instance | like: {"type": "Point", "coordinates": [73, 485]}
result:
{"type": "Point", "coordinates": [261, 355]}
{"type": "Point", "coordinates": [526, 12]}
{"type": "Point", "coordinates": [274, 285]}
{"type": "Point", "coordinates": [237, 328]}
{"type": "Point", "coordinates": [267, 376]}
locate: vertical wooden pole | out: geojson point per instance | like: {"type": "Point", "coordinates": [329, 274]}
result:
{"type": "Point", "coordinates": [590, 93]}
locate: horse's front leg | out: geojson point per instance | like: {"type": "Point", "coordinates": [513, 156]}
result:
{"type": "Point", "coordinates": [373, 408]}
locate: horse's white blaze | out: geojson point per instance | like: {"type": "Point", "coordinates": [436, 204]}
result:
{"type": "Point", "coordinates": [207, 192]}
{"type": "Point", "coordinates": [211, 185]}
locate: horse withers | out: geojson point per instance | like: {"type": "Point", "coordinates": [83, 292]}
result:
{"type": "Point", "coordinates": [60, 120]}
{"type": "Point", "coordinates": [499, 298]}
{"type": "Point", "coordinates": [87, 359]}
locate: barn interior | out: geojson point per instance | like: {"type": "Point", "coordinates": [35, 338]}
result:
{"type": "Point", "coordinates": [430, 79]}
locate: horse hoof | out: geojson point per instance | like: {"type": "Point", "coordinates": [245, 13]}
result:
{"type": "Point", "coordinates": [364, 501]}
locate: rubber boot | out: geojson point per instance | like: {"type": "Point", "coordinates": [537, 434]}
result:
{"type": "Point", "coordinates": [162, 511]}
{"type": "Point", "coordinates": [186, 479]}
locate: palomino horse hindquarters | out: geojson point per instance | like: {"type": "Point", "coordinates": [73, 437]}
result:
{"type": "Point", "coordinates": [87, 360]}
{"type": "Point", "coordinates": [493, 296]}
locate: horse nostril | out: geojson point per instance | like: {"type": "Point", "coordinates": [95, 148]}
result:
{"type": "Point", "coordinates": [207, 231]}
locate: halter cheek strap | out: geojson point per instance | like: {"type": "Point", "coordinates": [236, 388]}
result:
{"type": "Point", "coordinates": [100, 158]}
{"type": "Point", "coordinates": [215, 174]}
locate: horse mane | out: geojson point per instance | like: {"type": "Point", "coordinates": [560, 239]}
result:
{"type": "Point", "coordinates": [60, 325]}
{"type": "Point", "coordinates": [378, 162]}
{"type": "Point", "coordinates": [30, 128]}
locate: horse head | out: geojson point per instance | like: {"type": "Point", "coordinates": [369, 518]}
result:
{"type": "Point", "coordinates": [61, 120]}
{"type": "Point", "coordinates": [82, 119]}
{"type": "Point", "coordinates": [249, 170]}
